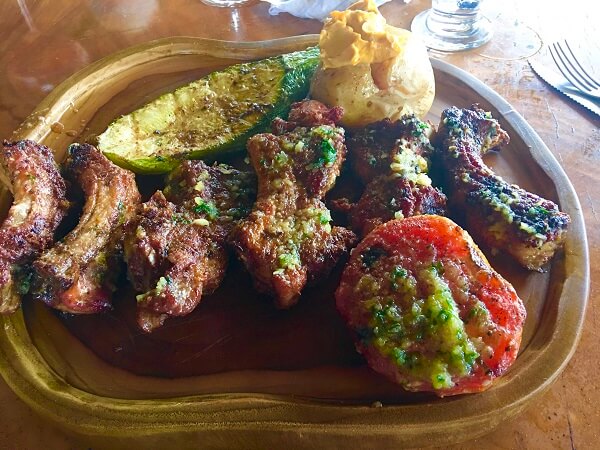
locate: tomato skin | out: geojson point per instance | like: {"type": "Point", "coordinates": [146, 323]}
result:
{"type": "Point", "coordinates": [398, 329]}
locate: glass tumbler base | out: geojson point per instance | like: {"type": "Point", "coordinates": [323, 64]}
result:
{"type": "Point", "coordinates": [479, 34]}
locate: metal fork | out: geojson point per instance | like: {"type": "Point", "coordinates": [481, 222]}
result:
{"type": "Point", "coordinates": [573, 71]}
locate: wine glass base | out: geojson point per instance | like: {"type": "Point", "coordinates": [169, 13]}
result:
{"type": "Point", "coordinates": [450, 41]}
{"type": "Point", "coordinates": [225, 3]}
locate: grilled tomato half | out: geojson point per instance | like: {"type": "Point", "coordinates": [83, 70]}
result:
{"type": "Point", "coordinates": [426, 308]}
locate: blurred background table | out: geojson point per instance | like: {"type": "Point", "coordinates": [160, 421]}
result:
{"type": "Point", "coordinates": [42, 42]}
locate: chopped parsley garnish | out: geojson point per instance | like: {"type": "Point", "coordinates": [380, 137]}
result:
{"type": "Point", "coordinates": [397, 274]}
{"type": "Point", "coordinates": [161, 284]}
{"type": "Point", "coordinates": [180, 218]}
{"type": "Point", "coordinates": [204, 207]}
{"type": "Point", "coordinates": [328, 154]}
{"type": "Point", "coordinates": [421, 127]}
{"type": "Point", "coordinates": [287, 261]}
{"type": "Point", "coordinates": [280, 159]}
{"type": "Point", "coordinates": [535, 210]}
{"type": "Point", "coordinates": [324, 218]}
{"type": "Point", "coordinates": [438, 267]}
{"type": "Point", "coordinates": [25, 283]}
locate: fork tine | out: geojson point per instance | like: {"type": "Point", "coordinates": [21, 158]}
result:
{"type": "Point", "coordinates": [589, 77]}
{"type": "Point", "coordinates": [572, 68]}
{"type": "Point", "coordinates": [564, 69]}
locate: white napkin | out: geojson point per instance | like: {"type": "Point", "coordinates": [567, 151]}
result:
{"type": "Point", "coordinates": [312, 9]}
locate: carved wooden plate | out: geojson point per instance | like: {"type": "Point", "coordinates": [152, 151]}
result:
{"type": "Point", "coordinates": [236, 372]}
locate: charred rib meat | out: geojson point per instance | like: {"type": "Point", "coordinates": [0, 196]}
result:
{"type": "Point", "coordinates": [39, 206]}
{"type": "Point", "coordinates": [176, 249]}
{"type": "Point", "coordinates": [501, 215]}
{"type": "Point", "coordinates": [77, 274]}
{"type": "Point", "coordinates": [288, 240]}
{"type": "Point", "coordinates": [392, 159]}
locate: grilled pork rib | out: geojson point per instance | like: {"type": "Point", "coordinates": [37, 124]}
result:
{"type": "Point", "coordinates": [176, 248]}
{"type": "Point", "coordinates": [503, 216]}
{"type": "Point", "coordinates": [288, 240]}
{"type": "Point", "coordinates": [39, 206]}
{"type": "Point", "coordinates": [391, 158]}
{"type": "Point", "coordinates": [77, 274]}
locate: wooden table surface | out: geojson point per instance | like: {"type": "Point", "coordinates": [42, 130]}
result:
{"type": "Point", "coordinates": [43, 42]}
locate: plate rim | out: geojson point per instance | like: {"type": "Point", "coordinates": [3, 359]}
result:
{"type": "Point", "coordinates": [26, 372]}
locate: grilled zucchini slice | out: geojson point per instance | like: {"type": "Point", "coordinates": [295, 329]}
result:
{"type": "Point", "coordinates": [207, 117]}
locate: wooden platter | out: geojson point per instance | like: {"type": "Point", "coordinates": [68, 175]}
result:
{"type": "Point", "coordinates": [237, 373]}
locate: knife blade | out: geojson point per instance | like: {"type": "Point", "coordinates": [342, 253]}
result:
{"type": "Point", "coordinates": [563, 86]}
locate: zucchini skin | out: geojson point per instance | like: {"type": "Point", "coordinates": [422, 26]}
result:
{"type": "Point", "coordinates": [298, 69]}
